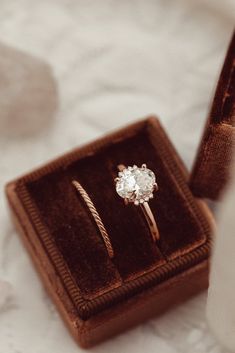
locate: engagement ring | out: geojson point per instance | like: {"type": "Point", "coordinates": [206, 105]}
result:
{"type": "Point", "coordinates": [137, 185]}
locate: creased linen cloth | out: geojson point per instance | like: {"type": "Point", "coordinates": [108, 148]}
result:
{"type": "Point", "coordinates": [105, 63]}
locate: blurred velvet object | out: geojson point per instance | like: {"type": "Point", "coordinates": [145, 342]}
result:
{"type": "Point", "coordinates": [220, 307]}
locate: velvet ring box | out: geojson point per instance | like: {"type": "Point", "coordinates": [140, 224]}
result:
{"type": "Point", "coordinates": [99, 297]}
{"type": "Point", "coordinates": [211, 169]}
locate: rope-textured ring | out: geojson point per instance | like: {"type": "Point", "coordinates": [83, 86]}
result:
{"type": "Point", "coordinates": [96, 217]}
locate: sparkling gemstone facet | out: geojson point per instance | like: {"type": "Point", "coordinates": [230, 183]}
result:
{"type": "Point", "coordinates": [136, 184]}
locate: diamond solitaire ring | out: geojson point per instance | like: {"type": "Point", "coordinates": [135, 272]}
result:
{"type": "Point", "coordinates": [137, 185]}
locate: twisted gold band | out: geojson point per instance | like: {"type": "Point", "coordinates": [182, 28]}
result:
{"type": "Point", "coordinates": [96, 217]}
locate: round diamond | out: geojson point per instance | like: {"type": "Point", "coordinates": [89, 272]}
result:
{"type": "Point", "coordinates": [136, 184]}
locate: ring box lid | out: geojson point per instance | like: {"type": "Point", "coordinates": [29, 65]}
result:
{"type": "Point", "coordinates": [210, 172]}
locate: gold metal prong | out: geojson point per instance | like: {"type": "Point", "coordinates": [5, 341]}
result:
{"type": "Point", "coordinates": [121, 167]}
{"type": "Point", "coordinates": [156, 186]}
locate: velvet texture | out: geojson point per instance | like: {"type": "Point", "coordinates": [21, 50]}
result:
{"type": "Point", "coordinates": [181, 223]}
{"type": "Point", "coordinates": [211, 171]}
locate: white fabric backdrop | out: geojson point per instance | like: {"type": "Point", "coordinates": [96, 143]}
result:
{"type": "Point", "coordinates": [113, 62]}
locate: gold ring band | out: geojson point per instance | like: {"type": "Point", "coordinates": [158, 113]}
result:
{"type": "Point", "coordinates": [150, 220]}
{"type": "Point", "coordinates": [96, 217]}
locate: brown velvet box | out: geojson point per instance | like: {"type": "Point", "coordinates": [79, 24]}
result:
{"type": "Point", "coordinates": [99, 297]}
{"type": "Point", "coordinates": [211, 169]}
